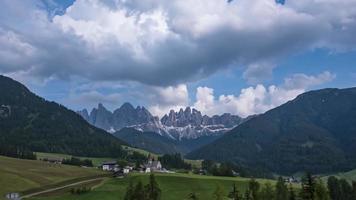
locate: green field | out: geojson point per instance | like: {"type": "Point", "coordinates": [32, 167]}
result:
{"type": "Point", "coordinates": [96, 161]}
{"type": "Point", "coordinates": [349, 176]}
{"type": "Point", "coordinates": [194, 163]}
{"type": "Point", "coordinates": [20, 175]}
{"type": "Point", "coordinates": [173, 186]}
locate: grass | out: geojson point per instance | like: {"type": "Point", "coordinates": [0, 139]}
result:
{"type": "Point", "coordinates": [173, 186]}
{"type": "Point", "coordinates": [18, 175]}
{"type": "Point", "coordinates": [96, 161]}
{"type": "Point", "coordinates": [194, 163]}
{"type": "Point", "coordinates": [349, 176]}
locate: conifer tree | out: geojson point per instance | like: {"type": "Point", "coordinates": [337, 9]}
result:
{"type": "Point", "coordinates": [281, 189]}
{"type": "Point", "coordinates": [308, 187]}
{"type": "Point", "coordinates": [346, 190]}
{"type": "Point", "coordinates": [219, 193]}
{"type": "Point", "coordinates": [353, 196]}
{"type": "Point", "coordinates": [267, 192]}
{"type": "Point", "coordinates": [234, 194]}
{"type": "Point", "coordinates": [247, 195]}
{"type": "Point", "coordinates": [254, 188]}
{"type": "Point", "coordinates": [192, 196]}
{"type": "Point", "coordinates": [139, 192]}
{"type": "Point", "coordinates": [291, 194]}
{"type": "Point", "coordinates": [321, 192]}
{"type": "Point", "coordinates": [334, 188]}
{"type": "Point", "coordinates": [153, 191]}
{"type": "Point", "coordinates": [129, 192]}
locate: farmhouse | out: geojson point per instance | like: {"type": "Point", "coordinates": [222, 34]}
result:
{"type": "Point", "coordinates": [13, 196]}
{"type": "Point", "coordinates": [153, 166]}
{"type": "Point", "coordinates": [110, 166]}
{"type": "Point", "coordinates": [53, 160]}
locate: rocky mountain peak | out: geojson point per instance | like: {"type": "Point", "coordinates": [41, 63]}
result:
{"type": "Point", "coordinates": [127, 107]}
{"type": "Point", "coordinates": [186, 123]}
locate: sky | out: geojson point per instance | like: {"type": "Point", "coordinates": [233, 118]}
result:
{"type": "Point", "coordinates": [242, 57]}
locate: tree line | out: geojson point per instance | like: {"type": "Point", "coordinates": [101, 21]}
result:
{"type": "Point", "coordinates": [311, 189]}
{"type": "Point", "coordinates": [17, 152]}
{"type": "Point", "coordinates": [77, 162]}
{"type": "Point", "coordinates": [151, 191]}
{"type": "Point", "coordinates": [174, 161]}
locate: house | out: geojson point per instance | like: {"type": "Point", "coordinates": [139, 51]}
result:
{"type": "Point", "coordinates": [127, 169]}
{"type": "Point", "coordinates": [13, 196]}
{"type": "Point", "coordinates": [53, 160]}
{"type": "Point", "coordinates": [110, 166]}
{"type": "Point", "coordinates": [153, 166]}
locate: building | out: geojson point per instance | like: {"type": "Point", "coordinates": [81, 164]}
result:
{"type": "Point", "coordinates": [110, 166]}
{"type": "Point", "coordinates": [53, 160]}
{"type": "Point", "coordinates": [13, 196]}
{"type": "Point", "coordinates": [153, 166]}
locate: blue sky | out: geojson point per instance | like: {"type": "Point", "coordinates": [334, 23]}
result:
{"type": "Point", "coordinates": [243, 57]}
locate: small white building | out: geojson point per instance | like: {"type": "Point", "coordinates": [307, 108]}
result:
{"type": "Point", "coordinates": [110, 166]}
{"type": "Point", "coordinates": [126, 170]}
{"type": "Point", "coordinates": [153, 166]}
{"type": "Point", "coordinates": [13, 196]}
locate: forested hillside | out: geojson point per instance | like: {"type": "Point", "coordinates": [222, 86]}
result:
{"type": "Point", "coordinates": [32, 123]}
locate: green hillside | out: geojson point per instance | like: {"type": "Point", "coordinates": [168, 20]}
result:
{"type": "Point", "coordinates": [315, 132]}
{"type": "Point", "coordinates": [18, 175]}
{"type": "Point", "coordinates": [173, 186]}
{"type": "Point", "coordinates": [28, 121]}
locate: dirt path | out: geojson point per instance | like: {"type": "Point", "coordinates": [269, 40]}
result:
{"type": "Point", "coordinates": [61, 187]}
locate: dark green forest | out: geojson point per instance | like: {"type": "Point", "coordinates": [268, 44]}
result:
{"type": "Point", "coordinates": [31, 123]}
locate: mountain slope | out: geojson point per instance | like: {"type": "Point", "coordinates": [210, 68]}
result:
{"type": "Point", "coordinates": [29, 121]}
{"type": "Point", "coordinates": [315, 132]}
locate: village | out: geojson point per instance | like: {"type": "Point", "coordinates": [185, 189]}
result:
{"type": "Point", "coordinates": [121, 171]}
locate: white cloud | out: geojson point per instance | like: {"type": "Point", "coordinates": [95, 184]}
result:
{"type": "Point", "coordinates": [163, 99]}
{"type": "Point", "coordinates": [259, 99]}
{"type": "Point", "coordinates": [90, 99]}
{"type": "Point", "coordinates": [165, 43]}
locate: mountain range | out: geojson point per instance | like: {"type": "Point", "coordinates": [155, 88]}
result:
{"type": "Point", "coordinates": [31, 122]}
{"type": "Point", "coordinates": [315, 132]}
{"type": "Point", "coordinates": [181, 131]}
{"type": "Point", "coordinates": [184, 124]}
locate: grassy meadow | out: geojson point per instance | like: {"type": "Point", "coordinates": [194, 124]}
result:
{"type": "Point", "coordinates": [96, 161]}
{"type": "Point", "coordinates": [173, 186]}
{"type": "Point", "coordinates": [18, 175]}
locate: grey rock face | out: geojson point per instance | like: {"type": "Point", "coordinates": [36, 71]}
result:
{"type": "Point", "coordinates": [194, 117]}
{"type": "Point", "coordinates": [184, 124]}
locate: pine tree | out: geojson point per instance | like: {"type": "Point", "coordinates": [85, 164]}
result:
{"type": "Point", "coordinates": [193, 196]}
{"type": "Point", "coordinates": [321, 192]}
{"type": "Point", "coordinates": [139, 192]}
{"type": "Point", "coordinates": [334, 188]}
{"type": "Point", "coordinates": [129, 192]}
{"type": "Point", "coordinates": [219, 193]}
{"type": "Point", "coordinates": [346, 190]}
{"type": "Point", "coordinates": [281, 189]}
{"type": "Point", "coordinates": [291, 194]}
{"type": "Point", "coordinates": [153, 191]}
{"type": "Point", "coordinates": [308, 187]}
{"type": "Point", "coordinates": [247, 195]}
{"type": "Point", "coordinates": [353, 196]}
{"type": "Point", "coordinates": [234, 194]}
{"type": "Point", "coordinates": [254, 187]}
{"type": "Point", "coordinates": [267, 192]}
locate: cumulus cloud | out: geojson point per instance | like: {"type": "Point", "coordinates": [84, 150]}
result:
{"type": "Point", "coordinates": [90, 99]}
{"type": "Point", "coordinates": [163, 99]}
{"type": "Point", "coordinates": [258, 99]}
{"type": "Point", "coordinates": [162, 43]}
